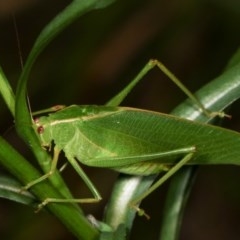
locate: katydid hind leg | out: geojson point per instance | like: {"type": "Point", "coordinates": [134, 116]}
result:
{"type": "Point", "coordinates": [116, 100]}
{"type": "Point", "coordinates": [134, 204]}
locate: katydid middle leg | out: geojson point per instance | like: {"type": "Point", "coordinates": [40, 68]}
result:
{"type": "Point", "coordinates": [96, 195]}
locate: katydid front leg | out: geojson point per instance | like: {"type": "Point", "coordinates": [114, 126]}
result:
{"type": "Point", "coordinates": [81, 173]}
{"type": "Point", "coordinates": [48, 110]}
{"type": "Point", "coordinates": [47, 175]}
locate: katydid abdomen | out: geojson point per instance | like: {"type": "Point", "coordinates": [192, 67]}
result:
{"type": "Point", "coordinates": [132, 140]}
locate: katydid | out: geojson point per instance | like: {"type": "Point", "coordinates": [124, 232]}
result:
{"type": "Point", "coordinates": [132, 141]}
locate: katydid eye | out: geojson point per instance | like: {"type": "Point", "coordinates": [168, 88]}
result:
{"type": "Point", "coordinates": [40, 129]}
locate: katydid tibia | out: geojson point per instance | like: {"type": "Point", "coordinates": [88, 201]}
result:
{"type": "Point", "coordinates": [132, 141]}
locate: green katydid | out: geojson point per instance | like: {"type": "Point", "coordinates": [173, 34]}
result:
{"type": "Point", "coordinates": [132, 141]}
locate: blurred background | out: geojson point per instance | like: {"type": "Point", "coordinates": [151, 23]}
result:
{"type": "Point", "coordinates": [91, 61]}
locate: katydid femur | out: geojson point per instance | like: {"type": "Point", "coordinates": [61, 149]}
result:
{"type": "Point", "coordinates": [132, 141]}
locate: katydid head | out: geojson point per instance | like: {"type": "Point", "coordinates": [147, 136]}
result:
{"type": "Point", "coordinates": [43, 131]}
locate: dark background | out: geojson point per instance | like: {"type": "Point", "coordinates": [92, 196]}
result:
{"type": "Point", "coordinates": [91, 61]}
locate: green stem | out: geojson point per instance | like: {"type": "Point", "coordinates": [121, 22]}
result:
{"type": "Point", "coordinates": [70, 216]}
{"type": "Point", "coordinates": [7, 93]}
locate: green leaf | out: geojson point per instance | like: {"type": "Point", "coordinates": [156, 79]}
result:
{"type": "Point", "coordinates": [10, 189]}
{"type": "Point", "coordinates": [23, 116]}
{"type": "Point", "coordinates": [74, 10]}
{"type": "Point", "coordinates": [177, 196]}
{"type": "Point", "coordinates": [7, 92]}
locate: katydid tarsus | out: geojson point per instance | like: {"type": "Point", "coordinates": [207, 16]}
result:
{"type": "Point", "coordinates": [132, 141]}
